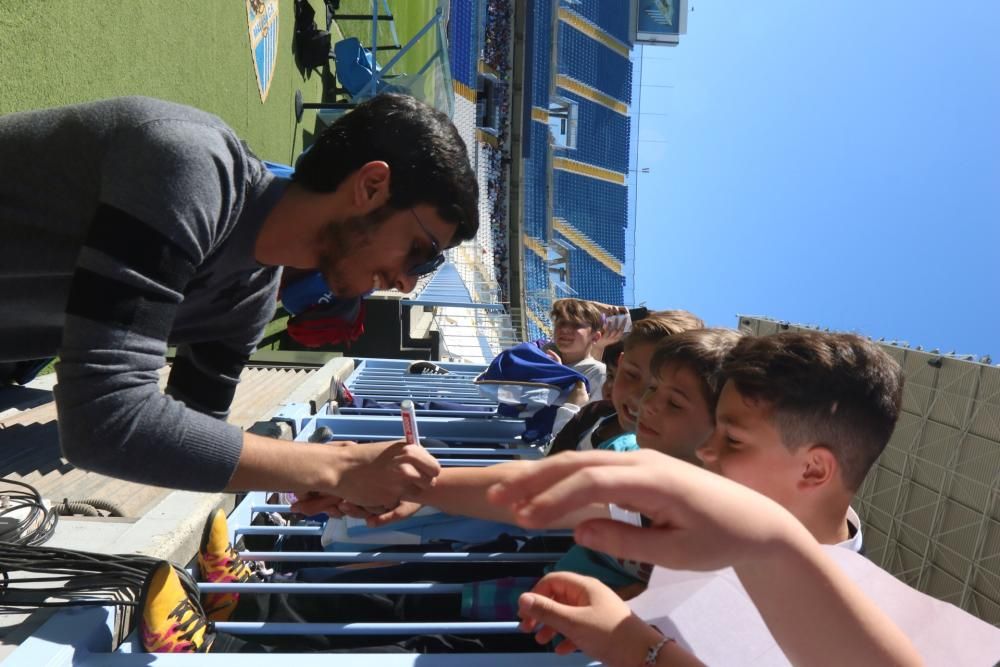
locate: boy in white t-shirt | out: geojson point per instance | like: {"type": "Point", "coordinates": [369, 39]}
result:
{"type": "Point", "coordinates": [801, 418]}
{"type": "Point", "coordinates": [576, 329]}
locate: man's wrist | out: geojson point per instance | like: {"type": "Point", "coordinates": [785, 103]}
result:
{"type": "Point", "coordinates": [332, 463]}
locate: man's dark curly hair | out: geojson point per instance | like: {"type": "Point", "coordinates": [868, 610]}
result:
{"type": "Point", "coordinates": [427, 158]}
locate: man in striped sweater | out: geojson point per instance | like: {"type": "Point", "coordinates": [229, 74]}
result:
{"type": "Point", "coordinates": [132, 224]}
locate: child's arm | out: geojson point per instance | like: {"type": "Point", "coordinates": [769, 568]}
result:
{"type": "Point", "coordinates": [593, 619]}
{"type": "Point", "coordinates": [462, 491]}
{"type": "Point", "coordinates": [701, 521]}
{"type": "Point", "coordinates": [459, 491]}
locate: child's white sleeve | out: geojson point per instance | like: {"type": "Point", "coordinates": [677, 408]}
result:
{"type": "Point", "coordinates": [563, 415]}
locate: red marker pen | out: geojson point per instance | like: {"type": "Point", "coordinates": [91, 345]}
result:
{"type": "Point", "coordinates": [409, 415]}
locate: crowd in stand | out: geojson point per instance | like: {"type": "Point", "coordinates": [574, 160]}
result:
{"type": "Point", "coordinates": [496, 54]}
{"type": "Point", "coordinates": [496, 47]}
{"type": "Point", "coordinates": [496, 189]}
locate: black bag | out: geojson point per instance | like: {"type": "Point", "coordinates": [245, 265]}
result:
{"type": "Point", "coordinates": [312, 45]}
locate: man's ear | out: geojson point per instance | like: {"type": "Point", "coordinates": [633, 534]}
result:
{"type": "Point", "coordinates": [371, 186]}
{"type": "Point", "coordinates": [596, 336]}
{"type": "Point", "coordinates": [819, 467]}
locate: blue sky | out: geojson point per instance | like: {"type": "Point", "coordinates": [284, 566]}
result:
{"type": "Point", "coordinates": [826, 163]}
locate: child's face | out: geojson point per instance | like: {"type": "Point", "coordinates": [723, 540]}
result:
{"type": "Point", "coordinates": [631, 381]}
{"type": "Point", "coordinates": [573, 339]}
{"type": "Point", "coordinates": [747, 447]}
{"type": "Point", "coordinates": [674, 417]}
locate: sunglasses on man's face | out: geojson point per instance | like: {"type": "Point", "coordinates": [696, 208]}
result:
{"type": "Point", "coordinates": [436, 256]}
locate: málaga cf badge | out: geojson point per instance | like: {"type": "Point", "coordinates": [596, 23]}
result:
{"type": "Point", "coordinates": [262, 25]}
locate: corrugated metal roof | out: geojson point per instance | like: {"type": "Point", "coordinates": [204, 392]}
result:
{"type": "Point", "coordinates": [29, 443]}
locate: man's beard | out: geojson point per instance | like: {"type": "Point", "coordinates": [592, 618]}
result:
{"type": "Point", "coordinates": [344, 239]}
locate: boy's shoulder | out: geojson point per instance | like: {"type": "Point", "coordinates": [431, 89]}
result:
{"type": "Point", "coordinates": [575, 429]}
{"type": "Point", "coordinates": [588, 362]}
{"type": "Point", "coordinates": [595, 371]}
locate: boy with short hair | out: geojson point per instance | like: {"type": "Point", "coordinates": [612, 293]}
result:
{"type": "Point", "coordinates": [576, 328]}
{"type": "Point", "coordinates": [801, 417]}
{"type": "Point", "coordinates": [677, 414]}
{"type": "Point", "coordinates": [632, 363]}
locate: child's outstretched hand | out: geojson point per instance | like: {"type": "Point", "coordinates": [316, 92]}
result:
{"type": "Point", "coordinates": [699, 520]}
{"type": "Point", "coordinates": [589, 616]}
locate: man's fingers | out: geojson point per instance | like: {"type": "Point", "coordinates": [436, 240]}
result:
{"type": "Point", "coordinates": [318, 505]}
{"type": "Point", "coordinates": [418, 457]}
{"type": "Point", "coordinates": [354, 511]}
{"type": "Point", "coordinates": [413, 481]}
{"type": "Point", "coordinates": [412, 492]}
{"type": "Point", "coordinates": [403, 511]}
{"type": "Point", "coordinates": [409, 473]}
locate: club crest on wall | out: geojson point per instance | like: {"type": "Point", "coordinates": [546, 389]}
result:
{"type": "Point", "coordinates": [262, 27]}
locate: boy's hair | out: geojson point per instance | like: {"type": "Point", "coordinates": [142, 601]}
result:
{"type": "Point", "coordinates": [427, 158]}
{"type": "Point", "coordinates": [611, 354]}
{"type": "Point", "coordinates": [838, 390]}
{"type": "Point", "coordinates": [576, 310]}
{"type": "Point", "coordinates": [659, 324]}
{"type": "Point", "coordinates": [703, 351]}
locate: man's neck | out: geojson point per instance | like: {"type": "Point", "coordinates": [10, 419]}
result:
{"type": "Point", "coordinates": [288, 236]}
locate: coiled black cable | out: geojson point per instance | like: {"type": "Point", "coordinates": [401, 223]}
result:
{"type": "Point", "coordinates": [38, 522]}
{"type": "Point", "coordinates": [64, 577]}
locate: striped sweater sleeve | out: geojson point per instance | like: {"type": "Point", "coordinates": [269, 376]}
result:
{"type": "Point", "coordinates": [168, 190]}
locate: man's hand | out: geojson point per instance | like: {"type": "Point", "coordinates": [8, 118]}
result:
{"type": "Point", "coordinates": [319, 503]}
{"type": "Point", "coordinates": [377, 476]}
{"type": "Point", "coordinates": [402, 511]}
{"type": "Point", "coordinates": [589, 615]}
